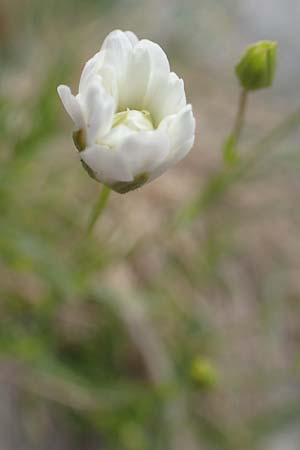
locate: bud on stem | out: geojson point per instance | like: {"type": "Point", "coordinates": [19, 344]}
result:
{"type": "Point", "coordinates": [256, 69]}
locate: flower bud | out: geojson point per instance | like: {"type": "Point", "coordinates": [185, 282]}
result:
{"type": "Point", "coordinates": [204, 372]}
{"type": "Point", "coordinates": [257, 66]}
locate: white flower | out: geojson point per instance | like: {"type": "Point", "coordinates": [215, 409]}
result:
{"type": "Point", "coordinates": [131, 118]}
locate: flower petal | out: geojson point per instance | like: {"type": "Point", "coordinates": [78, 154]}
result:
{"type": "Point", "coordinates": [159, 74]}
{"type": "Point", "coordinates": [71, 105]}
{"type": "Point", "coordinates": [133, 87]}
{"type": "Point", "coordinates": [145, 151]}
{"type": "Point", "coordinates": [182, 151]}
{"type": "Point", "coordinates": [117, 47]}
{"type": "Point", "coordinates": [159, 60]}
{"type": "Point", "coordinates": [108, 166]}
{"type": "Point", "coordinates": [172, 97]}
{"type": "Point", "coordinates": [173, 159]}
{"type": "Point", "coordinates": [99, 107]}
{"type": "Point", "coordinates": [132, 37]}
{"type": "Point", "coordinates": [181, 130]}
{"type": "Point", "coordinates": [118, 41]}
{"type": "Point", "coordinates": [180, 127]}
{"type": "Point", "coordinates": [89, 69]}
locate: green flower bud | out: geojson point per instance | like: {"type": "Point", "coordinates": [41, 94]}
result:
{"type": "Point", "coordinates": [204, 373]}
{"type": "Point", "coordinates": [257, 66]}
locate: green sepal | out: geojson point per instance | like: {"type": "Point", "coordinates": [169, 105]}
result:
{"type": "Point", "coordinates": [125, 186]}
{"type": "Point", "coordinates": [79, 139]}
{"type": "Point", "coordinates": [87, 168]}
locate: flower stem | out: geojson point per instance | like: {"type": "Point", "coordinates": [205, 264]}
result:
{"type": "Point", "coordinates": [230, 151]}
{"type": "Point", "coordinates": [98, 209]}
{"type": "Point", "coordinates": [240, 117]}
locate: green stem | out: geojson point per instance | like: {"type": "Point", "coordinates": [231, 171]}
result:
{"type": "Point", "coordinates": [230, 151]}
{"type": "Point", "coordinates": [240, 117]}
{"type": "Point", "coordinates": [99, 207]}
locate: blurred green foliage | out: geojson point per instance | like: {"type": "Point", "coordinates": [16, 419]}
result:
{"type": "Point", "coordinates": [65, 333]}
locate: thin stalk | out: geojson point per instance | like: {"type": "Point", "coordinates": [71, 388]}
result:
{"type": "Point", "coordinates": [240, 117]}
{"type": "Point", "coordinates": [98, 208]}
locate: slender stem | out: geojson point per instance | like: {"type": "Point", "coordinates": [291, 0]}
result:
{"type": "Point", "coordinates": [240, 117]}
{"type": "Point", "coordinates": [98, 208]}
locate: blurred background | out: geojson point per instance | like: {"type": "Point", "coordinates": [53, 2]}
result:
{"type": "Point", "coordinates": [150, 335]}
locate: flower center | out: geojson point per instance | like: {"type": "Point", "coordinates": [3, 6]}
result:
{"type": "Point", "coordinates": [126, 123]}
{"type": "Point", "coordinates": [134, 120]}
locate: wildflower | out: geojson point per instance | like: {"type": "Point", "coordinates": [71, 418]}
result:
{"type": "Point", "coordinates": [132, 121]}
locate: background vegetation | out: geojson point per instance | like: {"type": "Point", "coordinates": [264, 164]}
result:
{"type": "Point", "coordinates": [176, 325]}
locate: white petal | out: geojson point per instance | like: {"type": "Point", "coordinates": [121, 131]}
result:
{"type": "Point", "coordinates": [117, 48]}
{"type": "Point", "coordinates": [134, 85]}
{"type": "Point", "coordinates": [158, 58]}
{"type": "Point", "coordinates": [99, 107]}
{"type": "Point", "coordinates": [108, 165]}
{"type": "Point", "coordinates": [117, 40]}
{"type": "Point", "coordinates": [180, 127]}
{"type": "Point", "coordinates": [159, 74]}
{"type": "Point", "coordinates": [109, 81]}
{"type": "Point", "coordinates": [116, 136]}
{"type": "Point", "coordinates": [173, 159]}
{"type": "Point", "coordinates": [107, 75]}
{"type": "Point", "coordinates": [172, 97]}
{"type": "Point", "coordinates": [182, 151]}
{"type": "Point", "coordinates": [181, 130]}
{"type": "Point", "coordinates": [132, 37]}
{"type": "Point", "coordinates": [71, 105]}
{"type": "Point", "coordinates": [145, 151]}
{"type": "Point", "coordinates": [87, 70]}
